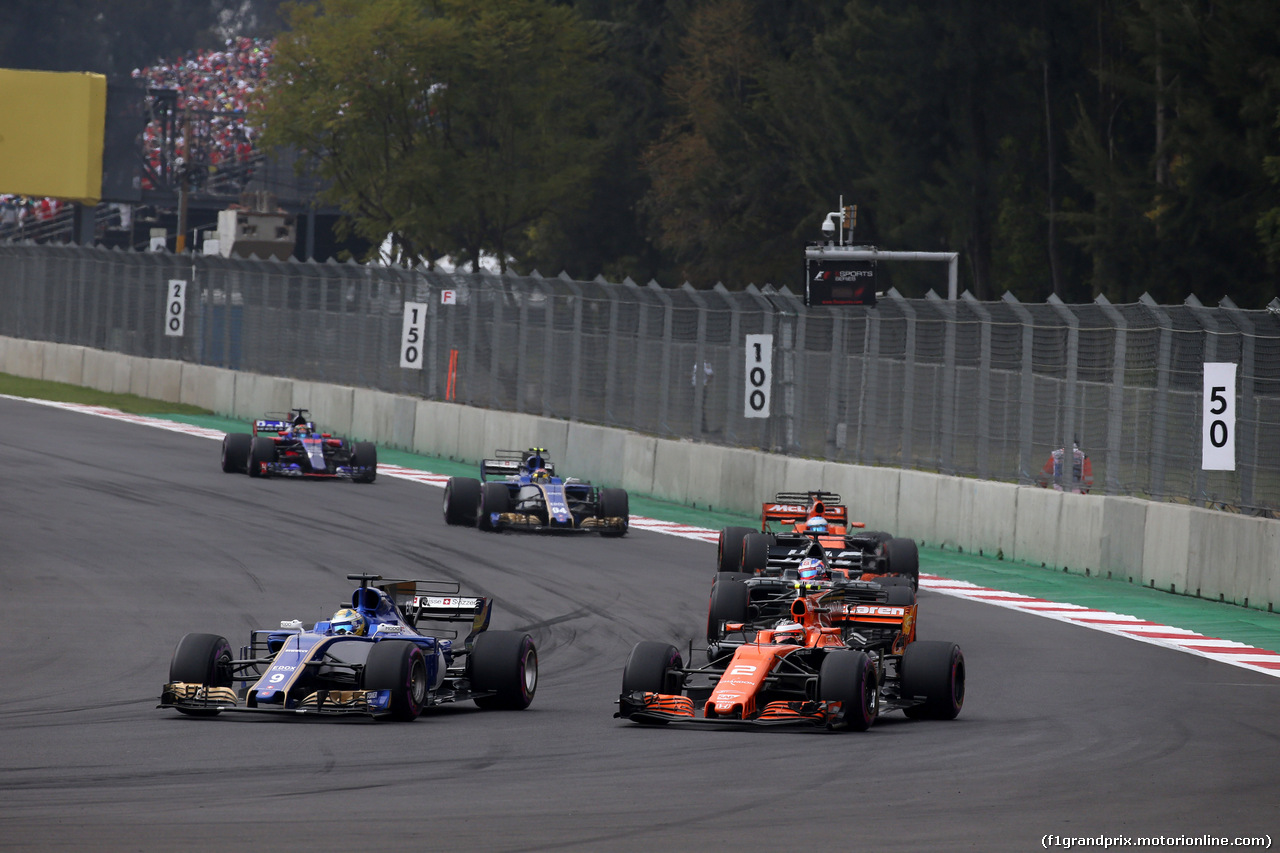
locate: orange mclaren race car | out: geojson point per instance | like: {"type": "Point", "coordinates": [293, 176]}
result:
{"type": "Point", "coordinates": [840, 656]}
{"type": "Point", "coordinates": [799, 525]}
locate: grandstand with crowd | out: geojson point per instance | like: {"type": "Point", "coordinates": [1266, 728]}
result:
{"type": "Point", "coordinates": [200, 137]}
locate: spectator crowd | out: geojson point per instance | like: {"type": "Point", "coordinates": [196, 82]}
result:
{"type": "Point", "coordinates": [216, 92]}
{"type": "Point", "coordinates": [212, 126]}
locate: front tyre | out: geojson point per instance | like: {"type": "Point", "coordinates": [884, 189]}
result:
{"type": "Point", "coordinates": [495, 499]}
{"type": "Point", "coordinates": [401, 667]}
{"type": "Point", "coordinates": [615, 504]}
{"type": "Point", "coordinates": [653, 667]}
{"type": "Point", "coordinates": [848, 676]}
{"type": "Point", "coordinates": [201, 659]}
{"type": "Point", "coordinates": [365, 455]}
{"type": "Point", "coordinates": [505, 664]}
{"type": "Point", "coordinates": [262, 452]}
{"type": "Point", "coordinates": [235, 452]}
{"type": "Point", "coordinates": [934, 671]}
{"type": "Point", "coordinates": [461, 500]}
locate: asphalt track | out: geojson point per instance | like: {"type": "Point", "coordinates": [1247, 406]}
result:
{"type": "Point", "coordinates": [118, 539]}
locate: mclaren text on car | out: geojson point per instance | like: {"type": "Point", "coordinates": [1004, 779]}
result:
{"type": "Point", "coordinates": [832, 654]}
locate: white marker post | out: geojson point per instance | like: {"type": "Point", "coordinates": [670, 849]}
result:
{"type": "Point", "coordinates": [175, 307]}
{"type": "Point", "coordinates": [759, 376]}
{"type": "Point", "coordinates": [412, 334]}
{"type": "Point", "coordinates": [1218, 440]}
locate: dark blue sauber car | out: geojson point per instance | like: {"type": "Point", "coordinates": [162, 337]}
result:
{"type": "Point", "coordinates": [291, 446]}
{"type": "Point", "coordinates": [526, 494]}
{"type": "Point", "coordinates": [372, 659]}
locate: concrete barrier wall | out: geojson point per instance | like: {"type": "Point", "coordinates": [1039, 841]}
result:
{"type": "Point", "coordinates": [1166, 546]}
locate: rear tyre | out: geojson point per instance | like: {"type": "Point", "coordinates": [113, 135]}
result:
{"type": "Point", "coordinates": [933, 669]}
{"type": "Point", "coordinates": [728, 603]}
{"type": "Point", "coordinates": [365, 456]}
{"type": "Point", "coordinates": [235, 452]}
{"type": "Point", "coordinates": [506, 663]}
{"type": "Point", "coordinates": [902, 557]}
{"type": "Point", "coordinates": [653, 667]}
{"type": "Point", "coordinates": [901, 595]}
{"type": "Point", "coordinates": [401, 667]}
{"type": "Point", "coordinates": [461, 500]}
{"type": "Point", "coordinates": [261, 452]}
{"type": "Point", "coordinates": [849, 677]}
{"type": "Point", "coordinates": [615, 504]}
{"type": "Point", "coordinates": [729, 548]}
{"type": "Point", "coordinates": [755, 552]}
{"type": "Point", "coordinates": [201, 659]}
{"type": "Point", "coordinates": [494, 498]}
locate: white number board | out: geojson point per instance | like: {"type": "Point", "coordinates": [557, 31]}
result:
{"type": "Point", "coordinates": [175, 307]}
{"type": "Point", "coordinates": [448, 297]}
{"type": "Point", "coordinates": [414, 330]}
{"type": "Point", "coordinates": [1218, 442]}
{"type": "Point", "coordinates": [759, 376]}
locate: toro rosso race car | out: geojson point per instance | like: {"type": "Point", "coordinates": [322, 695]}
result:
{"type": "Point", "coordinates": [372, 659]}
{"type": "Point", "coordinates": [526, 494]}
{"type": "Point", "coordinates": [800, 525]}
{"type": "Point", "coordinates": [842, 654]}
{"type": "Point", "coordinates": [290, 446]}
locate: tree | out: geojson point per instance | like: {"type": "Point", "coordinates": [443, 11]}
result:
{"type": "Point", "coordinates": [455, 126]}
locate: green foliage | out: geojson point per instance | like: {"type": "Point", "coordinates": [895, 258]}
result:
{"type": "Point", "coordinates": [1077, 147]}
{"type": "Point", "coordinates": [453, 126]}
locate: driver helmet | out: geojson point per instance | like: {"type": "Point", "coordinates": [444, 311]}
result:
{"type": "Point", "coordinates": [811, 569]}
{"type": "Point", "coordinates": [300, 428]}
{"type": "Point", "coordinates": [788, 631]}
{"type": "Point", "coordinates": [816, 526]}
{"type": "Point", "coordinates": [541, 476]}
{"type": "Point", "coordinates": [348, 621]}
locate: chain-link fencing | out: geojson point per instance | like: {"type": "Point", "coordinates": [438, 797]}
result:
{"type": "Point", "coordinates": [969, 388]}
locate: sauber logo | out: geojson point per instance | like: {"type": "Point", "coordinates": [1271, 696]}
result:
{"type": "Point", "coordinates": [877, 610]}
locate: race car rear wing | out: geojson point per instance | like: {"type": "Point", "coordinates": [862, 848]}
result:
{"type": "Point", "coordinates": [790, 508]}
{"type": "Point", "coordinates": [277, 422]}
{"type": "Point", "coordinates": [435, 601]}
{"type": "Point", "coordinates": [509, 463]}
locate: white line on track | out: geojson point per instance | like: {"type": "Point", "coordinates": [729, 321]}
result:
{"type": "Point", "coordinates": [1119, 624]}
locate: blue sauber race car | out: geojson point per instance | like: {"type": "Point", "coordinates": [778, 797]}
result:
{"type": "Point", "coordinates": [526, 494]}
{"type": "Point", "coordinates": [290, 446]}
{"type": "Point", "coordinates": [372, 659]}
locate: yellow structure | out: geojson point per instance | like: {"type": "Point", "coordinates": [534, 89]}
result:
{"type": "Point", "coordinates": [51, 128]}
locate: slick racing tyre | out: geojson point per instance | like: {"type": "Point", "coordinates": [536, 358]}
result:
{"type": "Point", "coordinates": [849, 677]}
{"type": "Point", "coordinates": [653, 667]}
{"type": "Point", "coordinates": [902, 557]}
{"type": "Point", "coordinates": [614, 504]}
{"type": "Point", "coordinates": [365, 455]}
{"type": "Point", "coordinates": [728, 603]}
{"type": "Point", "coordinates": [729, 548]}
{"type": "Point", "coordinates": [461, 500]}
{"type": "Point", "coordinates": [201, 659]}
{"type": "Point", "coordinates": [261, 452]}
{"type": "Point", "coordinates": [934, 670]}
{"type": "Point", "coordinates": [755, 552]}
{"type": "Point", "coordinates": [235, 452]}
{"type": "Point", "coordinates": [494, 498]}
{"type": "Point", "coordinates": [506, 664]}
{"type": "Point", "coordinates": [401, 667]}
